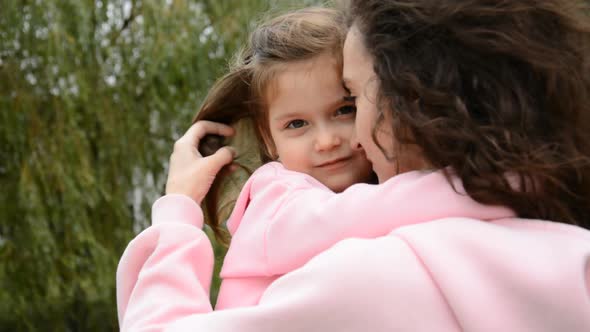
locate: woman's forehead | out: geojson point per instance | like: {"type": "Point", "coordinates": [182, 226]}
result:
{"type": "Point", "coordinates": [357, 64]}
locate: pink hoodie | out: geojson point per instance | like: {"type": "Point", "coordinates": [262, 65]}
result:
{"type": "Point", "coordinates": [279, 222]}
{"type": "Point", "coordinates": [454, 273]}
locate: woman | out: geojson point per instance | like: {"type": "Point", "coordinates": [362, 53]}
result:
{"type": "Point", "coordinates": [490, 95]}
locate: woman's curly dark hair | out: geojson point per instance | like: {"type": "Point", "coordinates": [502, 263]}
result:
{"type": "Point", "coordinates": [498, 91]}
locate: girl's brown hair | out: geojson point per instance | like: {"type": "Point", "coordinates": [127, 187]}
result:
{"type": "Point", "coordinates": [499, 90]}
{"type": "Point", "coordinates": [243, 92]}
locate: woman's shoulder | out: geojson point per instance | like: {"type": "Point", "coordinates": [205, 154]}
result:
{"type": "Point", "coordinates": [537, 266]}
{"type": "Point", "coordinates": [519, 269]}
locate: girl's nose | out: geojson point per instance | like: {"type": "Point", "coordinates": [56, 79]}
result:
{"type": "Point", "coordinates": [327, 139]}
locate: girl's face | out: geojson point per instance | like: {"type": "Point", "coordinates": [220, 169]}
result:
{"type": "Point", "coordinates": [360, 79]}
{"type": "Point", "coordinates": [311, 123]}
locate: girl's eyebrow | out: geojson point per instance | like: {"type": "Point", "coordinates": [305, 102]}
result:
{"type": "Point", "coordinates": [301, 113]}
{"type": "Point", "coordinates": [287, 115]}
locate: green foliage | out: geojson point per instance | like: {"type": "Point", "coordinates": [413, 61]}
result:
{"type": "Point", "coordinates": [92, 96]}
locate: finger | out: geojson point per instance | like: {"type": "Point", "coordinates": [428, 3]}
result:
{"type": "Point", "coordinates": [221, 158]}
{"type": "Point", "coordinates": [202, 128]}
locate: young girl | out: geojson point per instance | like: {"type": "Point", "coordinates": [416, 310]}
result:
{"type": "Point", "coordinates": [288, 81]}
{"type": "Point", "coordinates": [496, 108]}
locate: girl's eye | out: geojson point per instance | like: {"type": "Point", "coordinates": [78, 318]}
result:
{"type": "Point", "coordinates": [346, 110]}
{"type": "Point", "coordinates": [295, 124]}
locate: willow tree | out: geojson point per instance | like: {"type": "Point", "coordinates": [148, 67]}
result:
{"type": "Point", "coordinates": [92, 96]}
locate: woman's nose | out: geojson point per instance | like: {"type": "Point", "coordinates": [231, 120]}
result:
{"type": "Point", "coordinates": [355, 144]}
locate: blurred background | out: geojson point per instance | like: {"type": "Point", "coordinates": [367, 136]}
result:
{"type": "Point", "coordinates": [93, 94]}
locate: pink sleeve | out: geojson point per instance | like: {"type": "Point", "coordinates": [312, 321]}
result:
{"type": "Point", "coordinates": [163, 282]}
{"type": "Point", "coordinates": [285, 218]}
{"type": "Point", "coordinates": [165, 272]}
{"type": "Point", "coordinates": [351, 287]}
{"type": "Point", "coordinates": [161, 290]}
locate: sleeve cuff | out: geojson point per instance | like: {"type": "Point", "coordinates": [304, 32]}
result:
{"type": "Point", "coordinates": [177, 208]}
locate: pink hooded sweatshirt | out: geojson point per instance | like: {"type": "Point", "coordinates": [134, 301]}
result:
{"type": "Point", "coordinates": [278, 223]}
{"type": "Point", "coordinates": [471, 268]}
